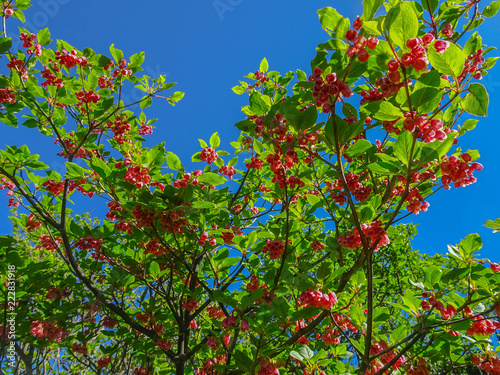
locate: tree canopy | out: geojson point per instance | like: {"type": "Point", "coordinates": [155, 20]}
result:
{"type": "Point", "coordinates": [286, 254]}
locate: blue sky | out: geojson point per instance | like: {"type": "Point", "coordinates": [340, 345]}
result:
{"type": "Point", "coordinates": [207, 46]}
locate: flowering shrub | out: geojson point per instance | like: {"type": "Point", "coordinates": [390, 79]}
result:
{"type": "Point", "coordinates": [285, 258]}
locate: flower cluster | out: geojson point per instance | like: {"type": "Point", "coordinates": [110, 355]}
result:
{"type": "Point", "coordinates": [359, 42]}
{"type": "Point", "coordinates": [357, 189]}
{"type": "Point", "coordinates": [120, 128]}
{"type": "Point", "coordinates": [378, 347]}
{"type": "Point", "coordinates": [51, 79]}
{"type": "Point", "coordinates": [187, 179]}
{"type": "Point", "coordinates": [255, 163]}
{"type": "Point", "coordinates": [190, 305]}
{"type": "Point", "coordinates": [228, 171]}
{"type": "Point", "coordinates": [473, 65]}
{"type": "Point", "coordinates": [122, 69]}
{"type": "Point", "coordinates": [33, 224]}
{"type": "Point", "coordinates": [316, 298]}
{"type": "Point", "coordinates": [144, 217]}
{"type": "Point", "coordinates": [373, 233]}
{"type": "Point", "coordinates": [482, 327]}
{"type": "Point", "coordinates": [209, 155]}
{"type": "Point", "coordinates": [457, 171]}
{"type": "Point", "coordinates": [489, 363]}
{"type": "Point", "coordinates": [103, 362]}
{"type": "Point", "coordinates": [55, 188]}
{"type": "Point", "coordinates": [7, 96]}
{"type": "Point", "coordinates": [138, 176]}
{"type": "Point", "coordinates": [47, 243]}
{"type": "Point", "coordinates": [173, 221]}
{"type": "Point", "coordinates": [70, 60]}
{"type": "Point", "coordinates": [203, 239]}
{"type": "Point", "coordinates": [268, 368]}
{"type": "Point", "coordinates": [58, 293]}
{"type": "Point", "coordinates": [317, 246]}
{"type": "Point", "coordinates": [154, 247]}
{"type": "Point", "coordinates": [417, 57]}
{"type": "Point", "coordinates": [428, 131]}
{"type": "Point", "coordinates": [421, 368]}
{"type": "Point", "coordinates": [28, 43]}
{"type": "Point", "coordinates": [18, 65]}
{"type": "Point", "coordinates": [447, 312]}
{"type": "Point", "coordinates": [48, 330]}
{"type": "Point", "coordinates": [261, 78]}
{"type": "Point", "coordinates": [275, 248]}
{"type": "Point", "coordinates": [85, 97]}
{"type": "Point", "coordinates": [416, 202]}
{"type": "Point", "coordinates": [80, 348]}
{"type": "Point", "coordinates": [324, 89]}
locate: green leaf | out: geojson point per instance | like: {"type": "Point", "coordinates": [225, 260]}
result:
{"type": "Point", "coordinates": [476, 101]}
{"type": "Point", "coordinates": [372, 27]}
{"type": "Point", "coordinates": [175, 97]}
{"type": "Point", "coordinates": [245, 125]}
{"type": "Point", "coordinates": [491, 9]}
{"type": "Point", "coordinates": [19, 15]}
{"type": "Point", "coordinates": [43, 37]}
{"type": "Point", "coordinates": [202, 204]}
{"type": "Point", "coordinates": [347, 131]}
{"type": "Point", "coordinates": [116, 53]}
{"type": "Point", "coordinates": [426, 94]}
{"type": "Point", "coordinates": [306, 352]}
{"type": "Point", "coordinates": [473, 44]}
{"type": "Point", "coordinates": [402, 23]}
{"type": "Point", "coordinates": [5, 44]}
{"type": "Point", "coordinates": [437, 149]}
{"type": "Point", "coordinates": [296, 355]}
{"type": "Point", "coordinates": [173, 162]}
{"type": "Point", "coordinates": [332, 21]}
{"type": "Point", "coordinates": [259, 103]}
{"type": "Point", "coordinates": [383, 111]}
{"type": "Point", "coordinates": [325, 270]}
{"type": "Point", "coordinates": [145, 102]}
{"type": "Point", "coordinates": [402, 147]}
{"type": "Point", "coordinates": [313, 199]}
{"type": "Point", "coordinates": [242, 359]}
{"type": "Point", "coordinates": [450, 62]}
{"type": "Point", "coordinates": [136, 59]}
{"type": "Point", "coordinates": [307, 119]}
{"type": "Point", "coordinates": [360, 147]}
{"type": "Point", "coordinates": [232, 162]}
{"type": "Point", "coordinates": [469, 245]}
{"type": "Point", "coordinates": [432, 275]}
{"type": "Point", "coordinates": [383, 168]}
{"type": "Point", "coordinates": [469, 124]}
{"type": "Point", "coordinates": [370, 7]}
{"type": "Point", "coordinates": [154, 269]}
{"type": "Point", "coordinates": [100, 167]}
{"type": "Point", "coordinates": [367, 213]}
{"type": "Point", "coordinates": [258, 146]}
{"type": "Point", "coordinates": [264, 66]}
{"type": "Point", "coordinates": [9, 118]}
{"type": "Point", "coordinates": [238, 90]}
{"type": "Point", "coordinates": [495, 225]}
{"type": "Point", "coordinates": [74, 171]}
{"type": "Point", "coordinates": [211, 178]}
{"type": "Point", "coordinates": [215, 141]}
{"type": "Point", "coordinates": [357, 316]}
{"type": "Point", "coordinates": [280, 308]}
{"type": "Point", "coordinates": [168, 85]}
{"type": "Point", "coordinates": [23, 4]}
{"type": "Point", "coordinates": [432, 3]}
{"type": "Point", "coordinates": [398, 334]}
